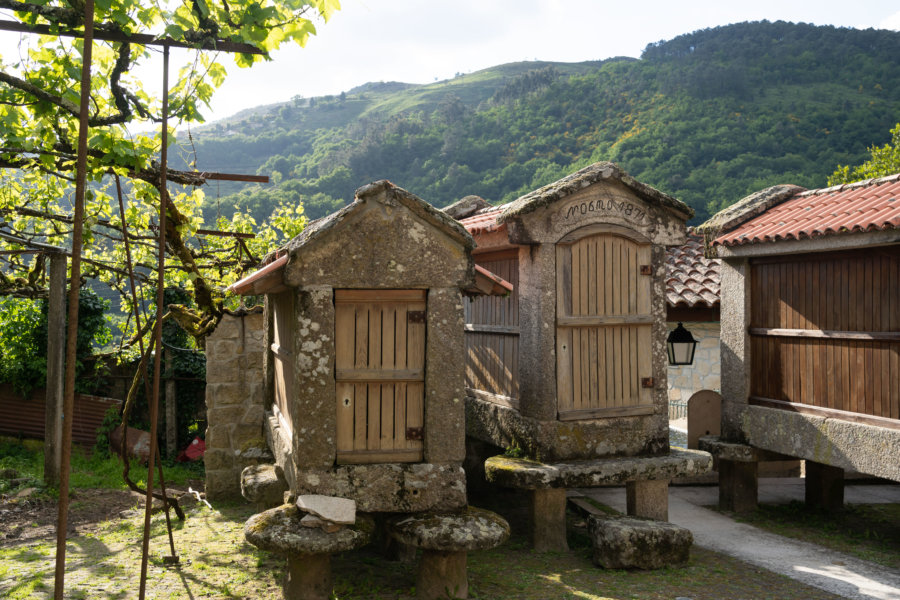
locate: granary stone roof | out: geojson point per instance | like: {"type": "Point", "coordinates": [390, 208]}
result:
{"type": "Point", "coordinates": [791, 213]}
{"type": "Point", "coordinates": [589, 175]}
{"type": "Point", "coordinates": [422, 209]}
{"type": "Point", "coordinates": [692, 280]}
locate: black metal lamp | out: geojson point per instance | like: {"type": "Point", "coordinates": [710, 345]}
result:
{"type": "Point", "coordinates": [681, 345]}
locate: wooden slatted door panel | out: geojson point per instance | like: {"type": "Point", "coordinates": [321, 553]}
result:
{"type": "Point", "coordinates": [492, 335]}
{"type": "Point", "coordinates": [380, 375]}
{"type": "Point", "coordinates": [603, 329]}
{"type": "Point", "coordinates": [825, 331]}
{"type": "Point", "coordinates": [282, 356]}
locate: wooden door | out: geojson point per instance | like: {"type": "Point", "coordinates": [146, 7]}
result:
{"type": "Point", "coordinates": [380, 375]}
{"type": "Point", "coordinates": [282, 306]}
{"type": "Point", "coordinates": [603, 327]}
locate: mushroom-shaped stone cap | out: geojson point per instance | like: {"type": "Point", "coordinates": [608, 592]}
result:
{"type": "Point", "coordinates": [471, 529]}
{"type": "Point", "coordinates": [278, 530]}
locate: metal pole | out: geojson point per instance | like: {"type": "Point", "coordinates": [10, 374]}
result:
{"type": "Point", "coordinates": [157, 332]}
{"type": "Point", "coordinates": [72, 329]}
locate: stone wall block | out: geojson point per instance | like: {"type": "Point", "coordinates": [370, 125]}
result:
{"type": "Point", "coordinates": [225, 415]}
{"type": "Point", "coordinates": [253, 415]}
{"type": "Point", "coordinates": [218, 459]}
{"type": "Point", "coordinates": [445, 416]}
{"type": "Point", "coordinates": [223, 370]}
{"type": "Point", "coordinates": [223, 394]}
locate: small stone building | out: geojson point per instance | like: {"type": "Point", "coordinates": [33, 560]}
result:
{"type": "Point", "coordinates": [572, 364]}
{"type": "Point", "coordinates": [810, 335]}
{"type": "Point", "coordinates": [692, 298]}
{"type": "Point", "coordinates": [363, 370]}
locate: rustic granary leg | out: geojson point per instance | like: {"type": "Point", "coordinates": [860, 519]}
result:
{"type": "Point", "coordinates": [548, 520]}
{"type": "Point", "coordinates": [308, 577]}
{"type": "Point", "coordinates": [648, 498]}
{"type": "Point", "coordinates": [442, 575]}
{"type": "Point", "coordinates": [738, 485]}
{"type": "Point", "coordinates": [824, 486]}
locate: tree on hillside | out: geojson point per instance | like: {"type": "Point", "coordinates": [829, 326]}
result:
{"type": "Point", "coordinates": [39, 97]}
{"type": "Point", "coordinates": [885, 160]}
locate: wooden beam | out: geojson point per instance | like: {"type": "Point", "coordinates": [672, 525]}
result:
{"type": "Point", "coordinates": [828, 413]}
{"type": "Point", "coordinates": [143, 39]}
{"type": "Point", "coordinates": [869, 336]}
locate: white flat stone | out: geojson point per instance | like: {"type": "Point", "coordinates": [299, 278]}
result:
{"type": "Point", "coordinates": [330, 508]}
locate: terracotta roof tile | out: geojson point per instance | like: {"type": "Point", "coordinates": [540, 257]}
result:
{"type": "Point", "coordinates": [871, 205]}
{"type": "Point", "coordinates": [484, 221]}
{"type": "Point", "coordinates": [692, 280]}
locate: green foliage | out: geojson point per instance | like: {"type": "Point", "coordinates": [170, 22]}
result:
{"type": "Point", "coordinates": [23, 342]}
{"type": "Point", "coordinates": [885, 161]}
{"type": "Point", "coordinates": [708, 117]}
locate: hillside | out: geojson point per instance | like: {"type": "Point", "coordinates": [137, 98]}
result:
{"type": "Point", "coordinates": [707, 117]}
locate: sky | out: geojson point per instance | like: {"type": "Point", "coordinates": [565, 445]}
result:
{"type": "Point", "coordinates": [422, 41]}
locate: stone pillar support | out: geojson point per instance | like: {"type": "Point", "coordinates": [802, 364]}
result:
{"type": "Point", "coordinates": [548, 520]}
{"type": "Point", "coordinates": [308, 577]}
{"type": "Point", "coordinates": [738, 485]}
{"type": "Point", "coordinates": [442, 575]}
{"type": "Point", "coordinates": [824, 486]}
{"type": "Point", "coordinates": [648, 498]}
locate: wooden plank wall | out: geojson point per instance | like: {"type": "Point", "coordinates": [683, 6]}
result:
{"type": "Point", "coordinates": [603, 327]}
{"type": "Point", "coordinates": [282, 354]}
{"type": "Point", "coordinates": [492, 335]}
{"type": "Point", "coordinates": [825, 331]}
{"type": "Point", "coordinates": [380, 375]}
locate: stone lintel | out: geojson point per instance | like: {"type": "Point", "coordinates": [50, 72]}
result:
{"type": "Point", "coordinates": [737, 452]}
{"type": "Point", "coordinates": [529, 474]}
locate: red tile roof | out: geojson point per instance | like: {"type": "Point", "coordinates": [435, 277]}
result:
{"type": "Point", "coordinates": [692, 280]}
{"type": "Point", "coordinates": [484, 222]}
{"type": "Point", "coordinates": [871, 205]}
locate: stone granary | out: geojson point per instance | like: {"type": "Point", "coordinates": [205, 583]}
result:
{"type": "Point", "coordinates": [810, 336]}
{"type": "Point", "coordinates": [570, 368]}
{"type": "Point", "coordinates": [365, 375]}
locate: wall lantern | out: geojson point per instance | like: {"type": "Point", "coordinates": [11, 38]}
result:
{"type": "Point", "coordinates": [681, 345]}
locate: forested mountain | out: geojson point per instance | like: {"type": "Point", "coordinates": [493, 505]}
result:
{"type": "Point", "coordinates": [707, 117]}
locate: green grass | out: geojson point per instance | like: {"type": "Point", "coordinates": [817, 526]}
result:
{"type": "Point", "coordinates": [868, 531]}
{"type": "Point", "coordinates": [88, 470]}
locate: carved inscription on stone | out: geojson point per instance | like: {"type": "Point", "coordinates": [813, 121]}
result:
{"type": "Point", "coordinates": [605, 206]}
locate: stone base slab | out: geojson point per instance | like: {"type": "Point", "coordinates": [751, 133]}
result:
{"type": "Point", "coordinates": [632, 543]}
{"type": "Point", "coordinates": [391, 487]}
{"type": "Point", "coordinates": [528, 474]}
{"type": "Point", "coordinates": [553, 441]}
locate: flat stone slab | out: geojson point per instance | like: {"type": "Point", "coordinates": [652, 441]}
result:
{"type": "Point", "coordinates": [263, 484]}
{"type": "Point", "coordinates": [471, 529]}
{"type": "Point", "coordinates": [279, 530]}
{"type": "Point", "coordinates": [635, 543]}
{"type": "Point", "coordinates": [727, 450]}
{"type": "Point", "coordinates": [531, 475]}
{"type": "Point", "coordinates": [329, 508]}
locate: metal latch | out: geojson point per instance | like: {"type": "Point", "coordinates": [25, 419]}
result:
{"type": "Point", "coordinates": [415, 433]}
{"type": "Point", "coordinates": [647, 382]}
{"type": "Point", "coordinates": [645, 270]}
{"type": "Point", "coordinates": [416, 316]}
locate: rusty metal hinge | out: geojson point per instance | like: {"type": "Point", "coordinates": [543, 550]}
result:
{"type": "Point", "coordinates": [415, 433]}
{"type": "Point", "coordinates": [645, 270]}
{"type": "Point", "coordinates": [416, 316]}
{"type": "Point", "coordinates": [647, 382]}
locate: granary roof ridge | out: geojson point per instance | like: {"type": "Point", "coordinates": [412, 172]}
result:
{"type": "Point", "coordinates": [415, 204]}
{"type": "Point", "coordinates": [852, 186]}
{"type": "Point", "coordinates": [745, 209]}
{"type": "Point", "coordinates": [585, 177]}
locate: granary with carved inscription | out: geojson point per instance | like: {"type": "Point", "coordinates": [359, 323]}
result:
{"type": "Point", "coordinates": [571, 366]}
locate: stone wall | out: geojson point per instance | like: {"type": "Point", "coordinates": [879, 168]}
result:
{"type": "Point", "coordinates": [235, 395]}
{"type": "Point", "coordinates": [685, 380]}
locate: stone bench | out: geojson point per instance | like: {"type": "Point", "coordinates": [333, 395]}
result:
{"type": "Point", "coordinates": [646, 480]}
{"type": "Point", "coordinates": [263, 485]}
{"type": "Point", "coordinates": [636, 543]}
{"type": "Point", "coordinates": [445, 538]}
{"type": "Point", "coordinates": [308, 550]}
